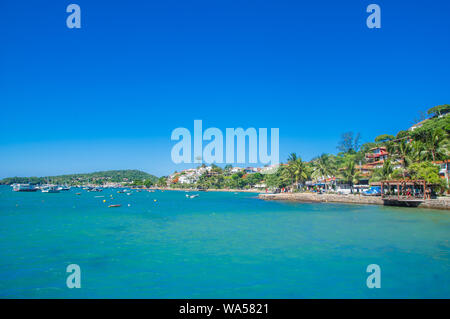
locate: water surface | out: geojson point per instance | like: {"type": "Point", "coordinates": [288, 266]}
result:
{"type": "Point", "coordinates": [219, 245]}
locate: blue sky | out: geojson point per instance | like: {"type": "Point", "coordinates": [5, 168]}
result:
{"type": "Point", "coordinates": [108, 95]}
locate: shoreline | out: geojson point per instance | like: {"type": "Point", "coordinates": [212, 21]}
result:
{"type": "Point", "coordinates": [440, 203]}
{"type": "Point", "coordinates": [227, 190]}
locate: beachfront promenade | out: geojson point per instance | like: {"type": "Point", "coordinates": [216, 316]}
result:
{"type": "Point", "coordinates": [439, 203]}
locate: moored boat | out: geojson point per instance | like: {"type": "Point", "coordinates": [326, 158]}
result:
{"type": "Point", "coordinates": [24, 188]}
{"type": "Point", "coordinates": [49, 189]}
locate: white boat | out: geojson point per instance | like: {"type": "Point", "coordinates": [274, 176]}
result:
{"type": "Point", "coordinates": [24, 188]}
{"type": "Point", "coordinates": [64, 188]}
{"type": "Point", "coordinates": [49, 189]}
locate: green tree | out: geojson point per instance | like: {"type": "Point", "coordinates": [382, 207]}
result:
{"type": "Point", "coordinates": [436, 145]}
{"type": "Point", "coordinates": [253, 179]}
{"type": "Point", "coordinates": [296, 169]}
{"type": "Point", "coordinates": [349, 174]}
{"type": "Point", "coordinates": [349, 142]}
{"type": "Point", "coordinates": [429, 172]}
{"type": "Point", "coordinates": [387, 141]}
{"type": "Point", "coordinates": [162, 181]}
{"type": "Point", "coordinates": [417, 150]}
{"type": "Point", "coordinates": [383, 138]}
{"type": "Point", "coordinates": [323, 166]}
{"type": "Point", "coordinates": [439, 110]}
{"type": "Point", "coordinates": [403, 151]}
{"type": "Point", "coordinates": [148, 183]}
{"type": "Point", "coordinates": [386, 172]}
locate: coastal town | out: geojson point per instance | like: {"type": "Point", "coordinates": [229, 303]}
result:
{"type": "Point", "coordinates": [209, 159]}
{"type": "Point", "coordinates": [408, 169]}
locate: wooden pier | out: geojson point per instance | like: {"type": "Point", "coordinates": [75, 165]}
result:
{"type": "Point", "coordinates": [405, 192]}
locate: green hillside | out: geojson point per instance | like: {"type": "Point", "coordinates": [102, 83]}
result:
{"type": "Point", "coordinates": [114, 176]}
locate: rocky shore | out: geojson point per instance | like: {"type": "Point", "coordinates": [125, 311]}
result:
{"type": "Point", "coordinates": [440, 203]}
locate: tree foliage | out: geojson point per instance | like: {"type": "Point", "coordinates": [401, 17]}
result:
{"type": "Point", "coordinates": [349, 142]}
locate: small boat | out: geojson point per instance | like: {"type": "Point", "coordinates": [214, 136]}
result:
{"type": "Point", "coordinates": [50, 189]}
{"type": "Point", "coordinates": [114, 206]}
{"type": "Point", "coordinates": [194, 196]}
{"type": "Point", "coordinates": [95, 189]}
{"type": "Point", "coordinates": [78, 194]}
{"type": "Point", "coordinates": [64, 188]}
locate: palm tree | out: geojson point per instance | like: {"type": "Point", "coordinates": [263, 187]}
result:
{"type": "Point", "coordinates": [387, 170]}
{"type": "Point", "coordinates": [436, 144]}
{"type": "Point", "coordinates": [292, 157]}
{"type": "Point", "coordinates": [296, 169]}
{"type": "Point", "coordinates": [383, 173]}
{"type": "Point", "coordinates": [403, 152]}
{"type": "Point", "coordinates": [323, 166]}
{"type": "Point", "coordinates": [417, 151]}
{"type": "Point", "coordinates": [350, 174]}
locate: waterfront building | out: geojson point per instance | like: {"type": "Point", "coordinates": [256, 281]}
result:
{"type": "Point", "coordinates": [444, 170]}
{"type": "Point", "coordinates": [376, 157]}
{"type": "Point", "coordinates": [417, 125]}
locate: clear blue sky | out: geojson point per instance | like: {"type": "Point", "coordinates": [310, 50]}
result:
{"type": "Point", "coordinates": [108, 95]}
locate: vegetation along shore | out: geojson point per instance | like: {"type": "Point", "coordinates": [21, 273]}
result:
{"type": "Point", "coordinates": [411, 168]}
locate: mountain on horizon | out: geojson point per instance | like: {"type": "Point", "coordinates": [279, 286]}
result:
{"type": "Point", "coordinates": [113, 176]}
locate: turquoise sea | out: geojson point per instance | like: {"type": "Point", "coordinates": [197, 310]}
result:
{"type": "Point", "coordinates": [218, 245]}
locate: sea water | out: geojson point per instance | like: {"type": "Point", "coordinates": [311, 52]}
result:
{"type": "Point", "coordinates": [217, 245]}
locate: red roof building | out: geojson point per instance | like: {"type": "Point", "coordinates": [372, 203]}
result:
{"type": "Point", "coordinates": [376, 157]}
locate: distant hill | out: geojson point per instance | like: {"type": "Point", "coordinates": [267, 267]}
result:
{"type": "Point", "coordinates": [114, 176]}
